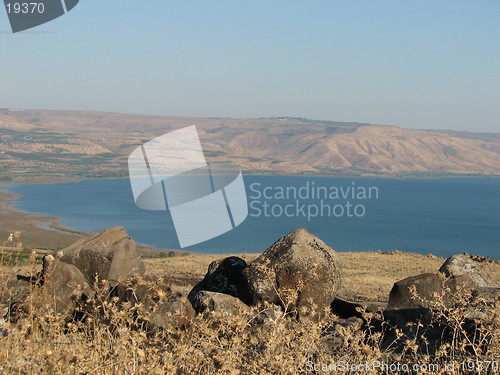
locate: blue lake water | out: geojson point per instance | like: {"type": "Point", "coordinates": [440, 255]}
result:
{"type": "Point", "coordinates": [439, 216]}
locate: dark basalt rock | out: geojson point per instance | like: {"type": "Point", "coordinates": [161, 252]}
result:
{"type": "Point", "coordinates": [224, 276]}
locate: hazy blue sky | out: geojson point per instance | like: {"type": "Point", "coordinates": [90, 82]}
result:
{"type": "Point", "coordinates": [416, 64]}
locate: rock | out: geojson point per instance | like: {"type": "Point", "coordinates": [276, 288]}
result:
{"type": "Point", "coordinates": [64, 287]}
{"type": "Point", "coordinates": [483, 303]}
{"type": "Point", "coordinates": [15, 298]}
{"type": "Point", "coordinates": [157, 306]}
{"type": "Point", "coordinates": [212, 301]}
{"type": "Point", "coordinates": [176, 311]}
{"type": "Point", "coordinates": [416, 291]}
{"type": "Point", "coordinates": [347, 309]}
{"type": "Point", "coordinates": [108, 255]}
{"type": "Point", "coordinates": [58, 289]}
{"type": "Point", "coordinates": [462, 264]}
{"type": "Point", "coordinates": [437, 303]}
{"type": "Point", "coordinates": [458, 273]}
{"type": "Point", "coordinates": [299, 272]}
{"type": "Point", "coordinates": [225, 276]}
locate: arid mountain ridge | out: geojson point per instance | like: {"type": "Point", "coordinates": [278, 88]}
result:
{"type": "Point", "coordinates": [66, 144]}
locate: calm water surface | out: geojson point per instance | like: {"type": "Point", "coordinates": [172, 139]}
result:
{"type": "Point", "coordinates": [439, 216]}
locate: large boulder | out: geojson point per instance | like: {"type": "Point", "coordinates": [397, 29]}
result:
{"type": "Point", "coordinates": [224, 276]}
{"type": "Point", "coordinates": [299, 272]}
{"type": "Point", "coordinates": [108, 255]}
{"type": "Point", "coordinates": [463, 265]}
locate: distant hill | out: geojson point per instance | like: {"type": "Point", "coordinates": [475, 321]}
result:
{"type": "Point", "coordinates": [65, 144]}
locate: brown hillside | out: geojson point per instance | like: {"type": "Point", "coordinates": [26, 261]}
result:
{"type": "Point", "coordinates": [66, 144]}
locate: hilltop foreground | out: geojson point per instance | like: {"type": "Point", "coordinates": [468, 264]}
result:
{"type": "Point", "coordinates": [96, 308]}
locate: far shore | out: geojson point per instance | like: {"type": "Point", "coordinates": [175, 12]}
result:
{"type": "Point", "coordinates": [368, 175]}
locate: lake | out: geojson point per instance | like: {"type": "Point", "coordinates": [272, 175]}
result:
{"type": "Point", "coordinates": [439, 216]}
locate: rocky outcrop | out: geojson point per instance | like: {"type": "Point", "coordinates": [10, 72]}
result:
{"type": "Point", "coordinates": [224, 276]}
{"type": "Point", "coordinates": [437, 301]}
{"type": "Point", "coordinates": [299, 272]}
{"type": "Point", "coordinates": [108, 255]}
{"type": "Point", "coordinates": [458, 274]}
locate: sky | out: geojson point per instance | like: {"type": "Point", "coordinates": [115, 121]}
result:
{"type": "Point", "coordinates": [416, 64]}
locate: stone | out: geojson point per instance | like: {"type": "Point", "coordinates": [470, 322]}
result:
{"type": "Point", "coordinates": [15, 298]}
{"type": "Point", "coordinates": [63, 287]}
{"type": "Point", "coordinates": [156, 304]}
{"type": "Point", "coordinates": [416, 292]}
{"type": "Point", "coordinates": [228, 305]}
{"type": "Point", "coordinates": [462, 264]}
{"type": "Point", "coordinates": [175, 311]}
{"type": "Point", "coordinates": [416, 298]}
{"type": "Point", "coordinates": [225, 276]}
{"type": "Point", "coordinates": [299, 272]}
{"type": "Point", "coordinates": [108, 255]}
{"type": "Point", "coordinates": [483, 303]}
{"type": "Point", "coordinates": [436, 302]}
{"type": "Point", "coordinates": [59, 288]}
{"type": "Point", "coordinates": [347, 309]}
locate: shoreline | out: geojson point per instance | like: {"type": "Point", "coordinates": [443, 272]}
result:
{"type": "Point", "coordinates": [31, 225]}
{"type": "Point", "coordinates": [425, 176]}
{"type": "Point", "coordinates": [41, 228]}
